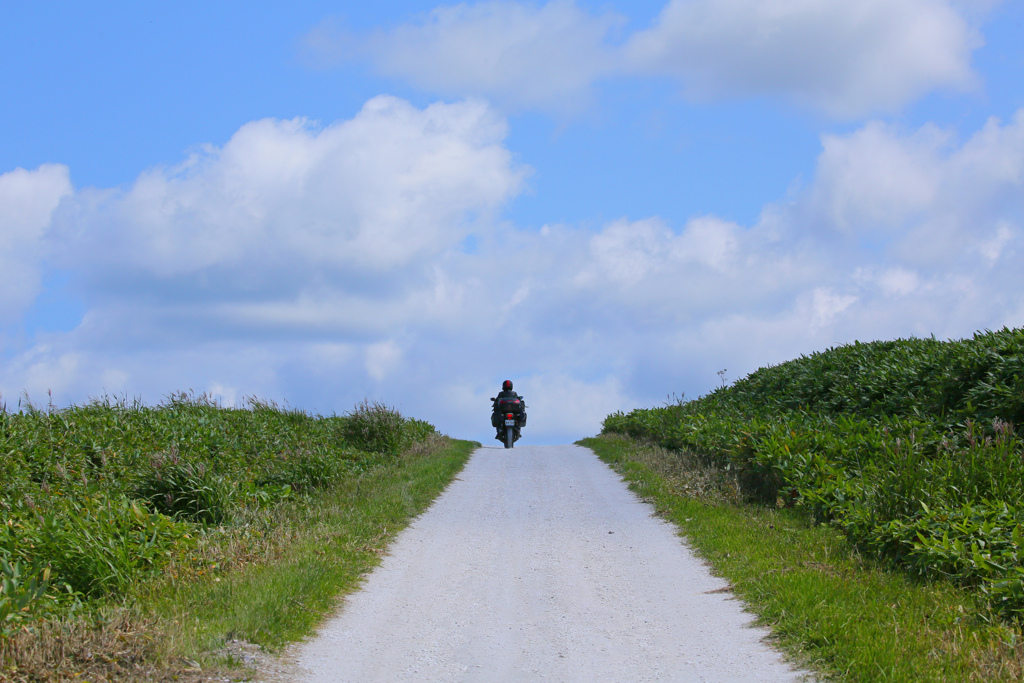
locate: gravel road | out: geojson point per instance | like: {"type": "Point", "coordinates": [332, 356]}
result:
{"type": "Point", "coordinates": [538, 563]}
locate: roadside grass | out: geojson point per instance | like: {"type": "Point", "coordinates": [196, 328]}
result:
{"type": "Point", "coordinates": [911, 447]}
{"type": "Point", "coordinates": [159, 544]}
{"type": "Point", "coordinates": [317, 553]}
{"type": "Point", "coordinates": [841, 615]}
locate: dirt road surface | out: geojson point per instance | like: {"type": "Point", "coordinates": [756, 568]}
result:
{"type": "Point", "coordinates": [538, 564]}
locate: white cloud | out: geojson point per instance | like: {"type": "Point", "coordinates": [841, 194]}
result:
{"type": "Point", "coordinates": [875, 179]}
{"type": "Point", "coordinates": [1004, 235]}
{"type": "Point", "coordinates": [928, 200]}
{"type": "Point", "coordinates": [294, 225]}
{"type": "Point", "coordinates": [893, 282]}
{"type": "Point", "coordinates": [625, 254]}
{"type": "Point", "coordinates": [518, 54]}
{"type": "Point", "coordinates": [27, 202]}
{"type": "Point", "coordinates": [256, 269]}
{"type": "Point", "coordinates": [710, 242]}
{"type": "Point", "coordinates": [823, 306]}
{"type": "Point", "coordinates": [43, 369]}
{"type": "Point", "coordinates": [846, 59]}
{"type": "Point", "coordinates": [561, 403]}
{"type": "Point", "coordinates": [224, 395]}
{"type": "Point", "coordinates": [393, 185]}
{"type": "Point", "coordinates": [382, 359]}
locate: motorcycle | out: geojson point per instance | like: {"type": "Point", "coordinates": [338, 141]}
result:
{"type": "Point", "coordinates": [509, 416]}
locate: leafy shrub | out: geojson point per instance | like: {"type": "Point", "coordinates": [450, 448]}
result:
{"type": "Point", "coordinates": [23, 587]}
{"type": "Point", "coordinates": [909, 446]}
{"type": "Point", "coordinates": [265, 495]}
{"type": "Point", "coordinates": [185, 490]}
{"type": "Point", "coordinates": [99, 545]}
{"type": "Point", "coordinates": [376, 428]}
{"type": "Point", "coordinates": [416, 431]}
{"type": "Point", "coordinates": [310, 468]}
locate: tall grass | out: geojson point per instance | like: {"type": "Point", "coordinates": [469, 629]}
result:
{"type": "Point", "coordinates": [96, 498]}
{"type": "Point", "coordinates": [913, 448]}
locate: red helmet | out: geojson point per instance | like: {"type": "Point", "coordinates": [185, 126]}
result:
{"type": "Point", "coordinates": [506, 385]}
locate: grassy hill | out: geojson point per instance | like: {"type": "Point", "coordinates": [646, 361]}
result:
{"type": "Point", "coordinates": [913, 448]}
{"type": "Point", "coordinates": [135, 540]}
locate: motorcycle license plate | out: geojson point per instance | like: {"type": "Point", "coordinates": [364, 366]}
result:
{"type": "Point", "coordinates": [510, 423]}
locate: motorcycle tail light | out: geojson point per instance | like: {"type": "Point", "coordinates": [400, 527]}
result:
{"type": "Point", "coordinates": [510, 416]}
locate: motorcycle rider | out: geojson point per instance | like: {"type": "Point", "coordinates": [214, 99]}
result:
{"type": "Point", "coordinates": [497, 419]}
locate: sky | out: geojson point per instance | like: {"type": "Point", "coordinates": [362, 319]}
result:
{"type": "Point", "coordinates": [612, 204]}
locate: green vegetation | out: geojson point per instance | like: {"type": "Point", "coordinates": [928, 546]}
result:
{"type": "Point", "coordinates": [319, 550]}
{"type": "Point", "coordinates": [842, 615]}
{"type": "Point", "coordinates": [912, 448]}
{"type": "Point", "coordinates": [137, 539]}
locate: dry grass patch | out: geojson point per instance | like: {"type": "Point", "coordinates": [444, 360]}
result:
{"type": "Point", "coordinates": [687, 473]}
{"type": "Point", "coordinates": [118, 645]}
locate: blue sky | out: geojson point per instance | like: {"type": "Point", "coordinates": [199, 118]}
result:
{"type": "Point", "coordinates": [608, 203]}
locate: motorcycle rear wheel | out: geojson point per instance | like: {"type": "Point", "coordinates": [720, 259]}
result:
{"type": "Point", "coordinates": [510, 438]}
